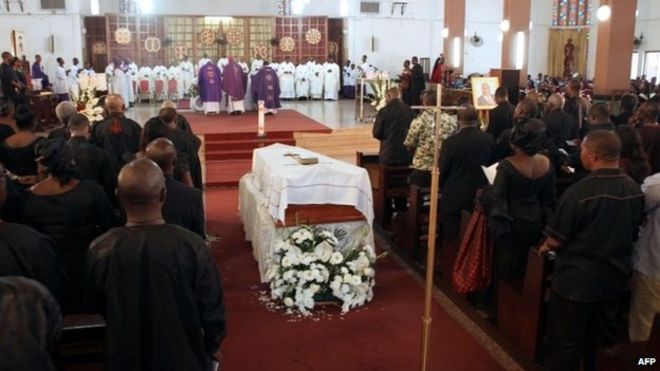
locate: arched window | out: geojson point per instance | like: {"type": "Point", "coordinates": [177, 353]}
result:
{"type": "Point", "coordinates": [569, 13]}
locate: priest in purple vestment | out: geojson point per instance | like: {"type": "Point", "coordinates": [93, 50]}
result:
{"type": "Point", "coordinates": [266, 87]}
{"type": "Point", "coordinates": [210, 88]}
{"type": "Point", "coordinates": [39, 74]}
{"type": "Point", "coordinates": [233, 79]}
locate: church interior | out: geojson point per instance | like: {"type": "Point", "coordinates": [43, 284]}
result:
{"type": "Point", "coordinates": [329, 185]}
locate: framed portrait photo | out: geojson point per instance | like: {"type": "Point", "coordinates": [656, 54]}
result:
{"type": "Point", "coordinates": [483, 92]}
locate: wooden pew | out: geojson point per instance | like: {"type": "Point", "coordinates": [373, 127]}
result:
{"type": "Point", "coordinates": [411, 227]}
{"type": "Point", "coordinates": [82, 340]}
{"type": "Point", "coordinates": [521, 307]}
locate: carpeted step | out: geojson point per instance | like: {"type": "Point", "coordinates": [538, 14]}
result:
{"type": "Point", "coordinates": [247, 135]}
{"type": "Point", "coordinates": [238, 154]}
{"type": "Point", "coordinates": [215, 146]}
{"type": "Point", "coordinates": [226, 173]}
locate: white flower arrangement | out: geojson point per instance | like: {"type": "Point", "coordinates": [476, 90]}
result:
{"type": "Point", "coordinates": [308, 265]}
{"type": "Point", "coordinates": [86, 101]}
{"type": "Point", "coordinates": [380, 82]}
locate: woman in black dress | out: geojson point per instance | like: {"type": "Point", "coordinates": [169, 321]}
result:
{"type": "Point", "coordinates": [523, 196]}
{"type": "Point", "coordinates": [17, 151]}
{"type": "Point", "coordinates": [72, 212]}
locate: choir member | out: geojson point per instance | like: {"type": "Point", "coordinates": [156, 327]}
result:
{"type": "Point", "coordinates": [331, 80]}
{"type": "Point", "coordinates": [286, 73]}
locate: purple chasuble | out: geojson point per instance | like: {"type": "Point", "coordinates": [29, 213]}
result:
{"type": "Point", "coordinates": [266, 87]}
{"type": "Point", "coordinates": [210, 83]}
{"type": "Point", "coordinates": [38, 73]}
{"type": "Point", "coordinates": [232, 81]}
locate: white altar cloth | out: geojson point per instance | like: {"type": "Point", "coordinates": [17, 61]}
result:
{"type": "Point", "coordinates": [260, 228]}
{"type": "Point", "coordinates": [283, 181]}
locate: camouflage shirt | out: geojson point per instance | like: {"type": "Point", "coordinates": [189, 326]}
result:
{"type": "Point", "coordinates": [420, 137]}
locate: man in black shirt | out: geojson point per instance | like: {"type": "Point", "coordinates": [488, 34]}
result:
{"type": "Point", "coordinates": [8, 78]}
{"type": "Point", "coordinates": [627, 107]}
{"type": "Point", "coordinates": [593, 231]}
{"type": "Point", "coordinates": [183, 206]}
{"type": "Point", "coordinates": [117, 135]}
{"type": "Point", "coordinates": [418, 82]}
{"type": "Point", "coordinates": [156, 284]}
{"type": "Point", "coordinates": [92, 162]}
{"type": "Point", "coordinates": [559, 123]}
{"type": "Point", "coordinates": [501, 117]}
{"type": "Point", "coordinates": [461, 158]}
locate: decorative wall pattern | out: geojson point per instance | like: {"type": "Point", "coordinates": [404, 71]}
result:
{"type": "Point", "coordinates": [571, 13]}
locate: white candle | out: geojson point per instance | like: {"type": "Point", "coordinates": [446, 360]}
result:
{"type": "Point", "coordinates": [261, 125]}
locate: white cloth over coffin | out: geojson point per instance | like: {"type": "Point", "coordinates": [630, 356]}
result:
{"type": "Point", "coordinates": [260, 228]}
{"type": "Point", "coordinates": [284, 181]}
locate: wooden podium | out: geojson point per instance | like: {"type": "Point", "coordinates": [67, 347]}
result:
{"type": "Point", "coordinates": [510, 79]}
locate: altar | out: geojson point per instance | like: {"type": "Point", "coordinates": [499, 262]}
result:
{"type": "Point", "coordinates": [280, 193]}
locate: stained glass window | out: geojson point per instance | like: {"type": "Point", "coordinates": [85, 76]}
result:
{"type": "Point", "coordinates": [571, 13]}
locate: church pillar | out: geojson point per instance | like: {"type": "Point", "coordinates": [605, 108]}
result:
{"type": "Point", "coordinates": [454, 42]}
{"type": "Point", "coordinates": [614, 47]}
{"type": "Point", "coordinates": [515, 40]}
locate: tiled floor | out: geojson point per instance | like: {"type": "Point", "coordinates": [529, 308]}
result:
{"type": "Point", "coordinates": [334, 114]}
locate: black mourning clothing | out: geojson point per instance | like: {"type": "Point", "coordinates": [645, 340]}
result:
{"type": "Point", "coordinates": [184, 206]}
{"type": "Point", "coordinates": [391, 128]}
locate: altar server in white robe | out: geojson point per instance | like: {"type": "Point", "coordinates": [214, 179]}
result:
{"type": "Point", "coordinates": [224, 100]}
{"type": "Point", "coordinates": [109, 73]}
{"type": "Point", "coordinates": [73, 77]}
{"type": "Point", "coordinates": [119, 81]}
{"type": "Point", "coordinates": [316, 83]}
{"type": "Point", "coordinates": [146, 73]}
{"type": "Point", "coordinates": [331, 80]}
{"type": "Point", "coordinates": [61, 83]}
{"type": "Point", "coordinates": [286, 73]}
{"type": "Point", "coordinates": [159, 73]}
{"type": "Point", "coordinates": [256, 65]}
{"type": "Point", "coordinates": [350, 79]}
{"type": "Point", "coordinates": [174, 73]}
{"type": "Point", "coordinates": [302, 81]}
{"type": "Point", "coordinates": [187, 73]}
{"type": "Point", "coordinates": [202, 62]}
{"type": "Point", "coordinates": [133, 78]}
{"type": "Point", "coordinates": [249, 102]}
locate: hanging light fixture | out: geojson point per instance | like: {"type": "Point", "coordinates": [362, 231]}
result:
{"type": "Point", "coordinates": [505, 25]}
{"type": "Point", "coordinates": [603, 13]}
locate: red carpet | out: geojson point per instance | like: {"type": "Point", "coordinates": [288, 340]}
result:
{"type": "Point", "coordinates": [383, 336]}
{"type": "Point", "coordinates": [229, 140]}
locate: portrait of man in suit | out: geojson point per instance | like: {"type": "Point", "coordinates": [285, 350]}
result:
{"type": "Point", "coordinates": [482, 92]}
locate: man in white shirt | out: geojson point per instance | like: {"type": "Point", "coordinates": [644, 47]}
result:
{"type": "Point", "coordinates": [330, 80]}
{"type": "Point", "coordinates": [286, 73]}
{"type": "Point", "coordinates": [61, 81]}
{"type": "Point", "coordinates": [302, 81]}
{"type": "Point", "coordinates": [645, 300]}
{"type": "Point", "coordinates": [132, 74]}
{"type": "Point", "coordinates": [109, 73]}
{"type": "Point", "coordinates": [350, 79]}
{"type": "Point", "coordinates": [73, 76]}
{"type": "Point", "coordinates": [187, 73]}
{"type": "Point", "coordinates": [316, 81]}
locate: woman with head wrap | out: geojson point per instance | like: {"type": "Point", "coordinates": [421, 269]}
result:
{"type": "Point", "coordinates": [72, 212]}
{"type": "Point", "coordinates": [523, 195]}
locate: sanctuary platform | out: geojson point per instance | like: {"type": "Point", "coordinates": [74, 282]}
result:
{"type": "Point", "coordinates": [228, 141]}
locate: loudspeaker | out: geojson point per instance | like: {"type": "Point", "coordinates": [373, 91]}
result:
{"type": "Point", "coordinates": [510, 79]}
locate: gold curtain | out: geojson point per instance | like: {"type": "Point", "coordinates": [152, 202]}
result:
{"type": "Point", "coordinates": [558, 39]}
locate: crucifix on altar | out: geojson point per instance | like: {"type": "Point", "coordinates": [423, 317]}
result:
{"type": "Point", "coordinates": [433, 220]}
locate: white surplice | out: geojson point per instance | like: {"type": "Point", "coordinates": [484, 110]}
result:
{"type": "Point", "coordinates": [316, 81]}
{"type": "Point", "coordinates": [187, 74]}
{"type": "Point", "coordinates": [60, 85]}
{"type": "Point", "coordinates": [286, 74]}
{"type": "Point", "coordinates": [331, 81]}
{"type": "Point", "coordinates": [120, 85]}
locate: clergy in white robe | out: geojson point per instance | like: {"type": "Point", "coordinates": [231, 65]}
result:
{"type": "Point", "coordinates": [249, 102]}
{"type": "Point", "coordinates": [187, 73]}
{"type": "Point", "coordinates": [302, 81]}
{"type": "Point", "coordinates": [73, 77]}
{"type": "Point", "coordinates": [132, 73]}
{"type": "Point", "coordinates": [146, 73]}
{"type": "Point", "coordinates": [159, 73]}
{"type": "Point", "coordinates": [316, 81]}
{"type": "Point", "coordinates": [330, 80]}
{"type": "Point", "coordinates": [286, 73]}
{"type": "Point", "coordinates": [109, 73]}
{"type": "Point", "coordinates": [202, 62]}
{"type": "Point", "coordinates": [120, 81]}
{"type": "Point", "coordinates": [174, 74]}
{"type": "Point", "coordinates": [224, 100]}
{"type": "Point", "coordinates": [350, 79]}
{"type": "Point", "coordinates": [256, 65]}
{"type": "Point", "coordinates": [60, 85]}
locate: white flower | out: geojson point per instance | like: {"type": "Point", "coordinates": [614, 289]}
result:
{"type": "Point", "coordinates": [301, 236]}
{"type": "Point", "coordinates": [343, 270]}
{"type": "Point", "coordinates": [286, 262]}
{"type": "Point", "coordinates": [356, 280]}
{"type": "Point", "coordinates": [345, 289]}
{"type": "Point", "coordinates": [359, 264]}
{"type": "Point", "coordinates": [323, 251]}
{"type": "Point", "coordinates": [314, 288]}
{"type": "Point", "coordinates": [336, 258]}
{"type": "Point", "coordinates": [335, 284]}
{"type": "Point", "coordinates": [308, 276]}
{"type": "Point", "coordinates": [279, 246]}
{"type": "Point", "coordinates": [289, 276]}
{"type": "Point", "coordinates": [369, 272]}
{"type": "Point", "coordinates": [348, 278]}
{"type": "Point", "coordinates": [288, 302]}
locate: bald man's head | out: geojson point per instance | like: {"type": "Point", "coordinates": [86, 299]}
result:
{"type": "Point", "coordinates": [468, 116]}
{"type": "Point", "coordinates": [141, 184]}
{"type": "Point", "coordinates": [555, 101]}
{"type": "Point", "coordinates": [114, 103]}
{"type": "Point", "coordinates": [393, 93]}
{"type": "Point", "coordinates": [163, 153]}
{"type": "Point", "coordinates": [600, 149]}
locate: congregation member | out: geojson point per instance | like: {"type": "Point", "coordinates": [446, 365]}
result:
{"type": "Point", "coordinates": [156, 128]}
{"type": "Point", "coordinates": [350, 80]}
{"type": "Point", "coordinates": [302, 81]}
{"type": "Point", "coordinates": [8, 79]}
{"type": "Point", "coordinates": [17, 152]}
{"type": "Point", "coordinates": [38, 74]}
{"type": "Point", "coordinates": [210, 88]}
{"type": "Point", "coordinates": [645, 285]}
{"type": "Point", "coordinates": [576, 106]}
{"type": "Point", "coordinates": [405, 82]}
{"type": "Point", "coordinates": [117, 135]}
{"type": "Point", "coordinates": [70, 211]}
{"type": "Point", "coordinates": [191, 142]}
{"type": "Point", "coordinates": [523, 195]}
{"type": "Point", "coordinates": [461, 158]}
{"type": "Point", "coordinates": [64, 111]}
{"type": "Point", "coordinates": [232, 86]}
{"type": "Point", "coordinates": [649, 131]}
{"type": "Point", "coordinates": [633, 160]}
{"type": "Point", "coordinates": [7, 123]}
{"type": "Point", "coordinates": [417, 82]}
{"type": "Point", "coordinates": [559, 124]}
{"type": "Point", "coordinates": [266, 87]}
{"type": "Point", "coordinates": [286, 73]}
{"type": "Point", "coordinates": [420, 140]}
{"type": "Point", "coordinates": [21, 78]}
{"type": "Point", "coordinates": [593, 263]}
{"type": "Point", "coordinates": [500, 117]}
{"type": "Point", "coordinates": [316, 77]}
{"type": "Point", "coordinates": [187, 73]}
{"type": "Point", "coordinates": [156, 284]}
{"type": "Point", "coordinates": [331, 76]}
{"type": "Point", "coordinates": [627, 106]}
{"type": "Point", "coordinates": [598, 118]}
{"type": "Point", "coordinates": [438, 70]}
{"type": "Point", "coordinates": [91, 162]}
{"type": "Point", "coordinates": [30, 325]}
{"type": "Point", "coordinates": [390, 128]}
{"type": "Point", "coordinates": [28, 253]}
{"type": "Point", "coordinates": [183, 205]}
